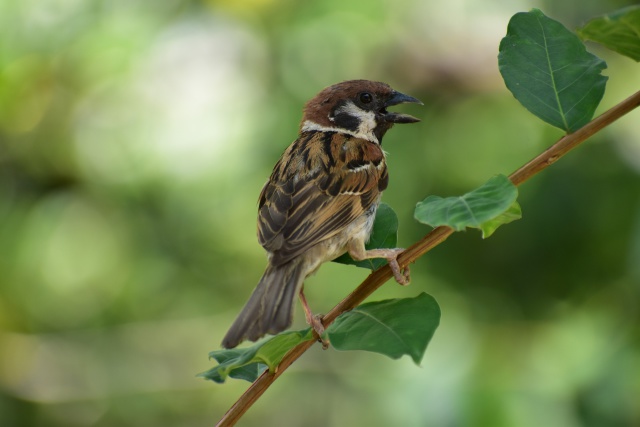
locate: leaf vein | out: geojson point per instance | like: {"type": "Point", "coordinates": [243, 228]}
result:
{"type": "Point", "coordinates": [376, 320]}
{"type": "Point", "coordinates": [553, 81]}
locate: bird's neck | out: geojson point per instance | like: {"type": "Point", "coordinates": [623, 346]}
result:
{"type": "Point", "coordinates": [366, 134]}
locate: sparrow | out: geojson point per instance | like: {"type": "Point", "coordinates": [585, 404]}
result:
{"type": "Point", "coordinates": [320, 201]}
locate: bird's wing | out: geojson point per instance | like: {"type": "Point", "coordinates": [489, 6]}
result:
{"type": "Point", "coordinates": [322, 183]}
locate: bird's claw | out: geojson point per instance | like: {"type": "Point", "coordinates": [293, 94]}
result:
{"type": "Point", "coordinates": [402, 276]}
{"type": "Point", "coordinates": [318, 328]}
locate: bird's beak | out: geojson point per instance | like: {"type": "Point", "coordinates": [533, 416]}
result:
{"type": "Point", "coordinates": [400, 98]}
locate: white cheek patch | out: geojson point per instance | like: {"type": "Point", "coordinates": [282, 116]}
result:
{"type": "Point", "coordinates": [367, 119]}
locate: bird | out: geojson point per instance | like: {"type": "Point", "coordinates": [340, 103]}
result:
{"type": "Point", "coordinates": [320, 201]}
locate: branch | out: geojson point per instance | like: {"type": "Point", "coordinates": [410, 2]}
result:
{"type": "Point", "coordinates": [572, 140]}
{"type": "Point", "coordinates": [415, 251]}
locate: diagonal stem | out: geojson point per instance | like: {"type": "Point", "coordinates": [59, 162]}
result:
{"type": "Point", "coordinates": [572, 140]}
{"type": "Point", "coordinates": [415, 251]}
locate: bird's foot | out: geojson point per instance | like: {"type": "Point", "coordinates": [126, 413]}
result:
{"type": "Point", "coordinates": [402, 275]}
{"type": "Point", "coordinates": [314, 321]}
{"type": "Point", "coordinates": [318, 327]}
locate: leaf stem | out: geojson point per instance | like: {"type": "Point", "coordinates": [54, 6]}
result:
{"type": "Point", "coordinates": [415, 251]}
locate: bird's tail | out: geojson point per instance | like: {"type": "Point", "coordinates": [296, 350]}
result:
{"type": "Point", "coordinates": [270, 307]}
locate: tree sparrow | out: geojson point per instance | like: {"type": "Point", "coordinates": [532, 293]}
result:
{"type": "Point", "coordinates": [321, 201]}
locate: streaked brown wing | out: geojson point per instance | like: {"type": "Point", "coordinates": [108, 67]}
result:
{"type": "Point", "coordinates": [326, 191]}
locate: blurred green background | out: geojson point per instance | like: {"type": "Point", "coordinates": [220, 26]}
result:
{"type": "Point", "coordinates": [135, 137]}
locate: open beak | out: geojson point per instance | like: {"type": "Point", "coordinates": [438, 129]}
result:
{"type": "Point", "coordinates": [400, 98]}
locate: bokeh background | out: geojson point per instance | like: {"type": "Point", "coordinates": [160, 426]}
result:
{"type": "Point", "coordinates": [135, 137]}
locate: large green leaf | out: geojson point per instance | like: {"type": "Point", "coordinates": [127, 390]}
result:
{"type": "Point", "coordinates": [392, 327]}
{"type": "Point", "coordinates": [486, 207]}
{"type": "Point", "coordinates": [619, 31]}
{"type": "Point", "coordinates": [248, 363]}
{"type": "Point", "coordinates": [383, 235]}
{"type": "Point", "coordinates": [548, 70]}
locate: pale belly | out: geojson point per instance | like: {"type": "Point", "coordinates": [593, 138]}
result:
{"type": "Point", "coordinates": [330, 249]}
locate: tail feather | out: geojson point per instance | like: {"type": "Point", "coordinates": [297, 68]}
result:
{"type": "Point", "coordinates": [270, 307]}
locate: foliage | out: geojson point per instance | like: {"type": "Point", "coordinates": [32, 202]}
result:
{"type": "Point", "coordinates": [619, 31]}
{"type": "Point", "coordinates": [487, 207]}
{"type": "Point", "coordinates": [248, 363]}
{"type": "Point", "coordinates": [548, 69]}
{"type": "Point", "coordinates": [392, 327]}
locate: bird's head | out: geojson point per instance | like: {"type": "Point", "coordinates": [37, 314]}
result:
{"type": "Point", "coordinates": [358, 108]}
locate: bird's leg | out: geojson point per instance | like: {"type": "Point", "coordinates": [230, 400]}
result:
{"type": "Point", "coordinates": [358, 252]}
{"type": "Point", "coordinates": [314, 321]}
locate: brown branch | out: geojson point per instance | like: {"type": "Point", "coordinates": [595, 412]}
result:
{"type": "Point", "coordinates": [572, 140]}
{"type": "Point", "coordinates": [415, 251]}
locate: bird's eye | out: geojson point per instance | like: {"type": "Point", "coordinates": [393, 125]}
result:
{"type": "Point", "coordinates": [366, 97]}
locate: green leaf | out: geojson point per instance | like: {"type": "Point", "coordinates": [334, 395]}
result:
{"type": "Point", "coordinates": [514, 212]}
{"type": "Point", "coordinates": [383, 235]}
{"type": "Point", "coordinates": [547, 68]}
{"type": "Point", "coordinates": [486, 207]}
{"type": "Point", "coordinates": [392, 327]}
{"type": "Point", "coordinates": [248, 363]}
{"type": "Point", "coordinates": [619, 31]}
{"type": "Point", "coordinates": [228, 365]}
